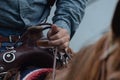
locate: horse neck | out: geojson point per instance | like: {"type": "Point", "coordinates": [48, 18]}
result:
{"type": "Point", "coordinates": [86, 65]}
{"type": "Point", "coordinates": [113, 61]}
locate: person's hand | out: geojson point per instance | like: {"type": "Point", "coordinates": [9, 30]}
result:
{"type": "Point", "coordinates": [58, 37]}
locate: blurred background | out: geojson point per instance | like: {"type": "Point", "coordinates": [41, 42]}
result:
{"type": "Point", "coordinates": [96, 21]}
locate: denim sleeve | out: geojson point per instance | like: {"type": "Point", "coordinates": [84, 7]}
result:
{"type": "Point", "coordinates": [69, 14]}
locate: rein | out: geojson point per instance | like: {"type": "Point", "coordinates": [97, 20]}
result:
{"type": "Point", "coordinates": [54, 64]}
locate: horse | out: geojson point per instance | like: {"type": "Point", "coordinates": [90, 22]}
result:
{"type": "Point", "coordinates": [97, 61]}
{"type": "Point", "coordinates": [100, 60]}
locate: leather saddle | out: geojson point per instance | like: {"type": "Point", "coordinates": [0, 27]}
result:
{"type": "Point", "coordinates": [30, 52]}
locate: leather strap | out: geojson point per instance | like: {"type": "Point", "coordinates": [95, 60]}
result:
{"type": "Point", "coordinates": [10, 38]}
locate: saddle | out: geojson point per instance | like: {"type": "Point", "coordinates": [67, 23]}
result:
{"type": "Point", "coordinates": [31, 49]}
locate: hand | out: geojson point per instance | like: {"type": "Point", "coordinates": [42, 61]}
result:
{"type": "Point", "coordinates": [58, 37]}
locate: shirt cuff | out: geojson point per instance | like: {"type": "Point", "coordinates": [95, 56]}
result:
{"type": "Point", "coordinates": [64, 25]}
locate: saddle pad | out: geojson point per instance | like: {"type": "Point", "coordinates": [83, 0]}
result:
{"type": "Point", "coordinates": [37, 74]}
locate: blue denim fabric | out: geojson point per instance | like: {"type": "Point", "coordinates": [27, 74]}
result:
{"type": "Point", "coordinates": [25, 13]}
{"type": "Point", "coordinates": [4, 46]}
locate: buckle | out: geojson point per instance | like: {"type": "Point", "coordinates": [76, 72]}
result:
{"type": "Point", "coordinates": [10, 38]}
{"type": "Point", "coordinates": [9, 56]}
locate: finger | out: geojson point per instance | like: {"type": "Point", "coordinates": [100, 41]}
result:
{"type": "Point", "coordinates": [64, 46]}
{"type": "Point", "coordinates": [54, 29]}
{"type": "Point", "coordinates": [56, 36]}
{"type": "Point", "coordinates": [59, 41]}
{"type": "Point", "coordinates": [60, 34]}
{"type": "Point", "coordinates": [49, 34]}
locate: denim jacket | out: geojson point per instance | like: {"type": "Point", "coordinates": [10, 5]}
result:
{"type": "Point", "coordinates": [24, 13]}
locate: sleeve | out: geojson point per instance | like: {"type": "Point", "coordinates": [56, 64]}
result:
{"type": "Point", "coordinates": [69, 14]}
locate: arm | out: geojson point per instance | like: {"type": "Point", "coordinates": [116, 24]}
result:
{"type": "Point", "coordinates": [69, 14]}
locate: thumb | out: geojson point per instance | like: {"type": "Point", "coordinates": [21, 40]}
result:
{"type": "Point", "coordinates": [54, 29]}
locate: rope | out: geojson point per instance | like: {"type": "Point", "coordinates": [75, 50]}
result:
{"type": "Point", "coordinates": [54, 64]}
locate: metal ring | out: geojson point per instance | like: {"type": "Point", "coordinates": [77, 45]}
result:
{"type": "Point", "coordinates": [9, 53]}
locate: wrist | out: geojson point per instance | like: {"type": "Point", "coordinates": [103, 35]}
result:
{"type": "Point", "coordinates": [64, 25]}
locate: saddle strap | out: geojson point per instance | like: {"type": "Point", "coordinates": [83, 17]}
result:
{"type": "Point", "coordinates": [10, 73]}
